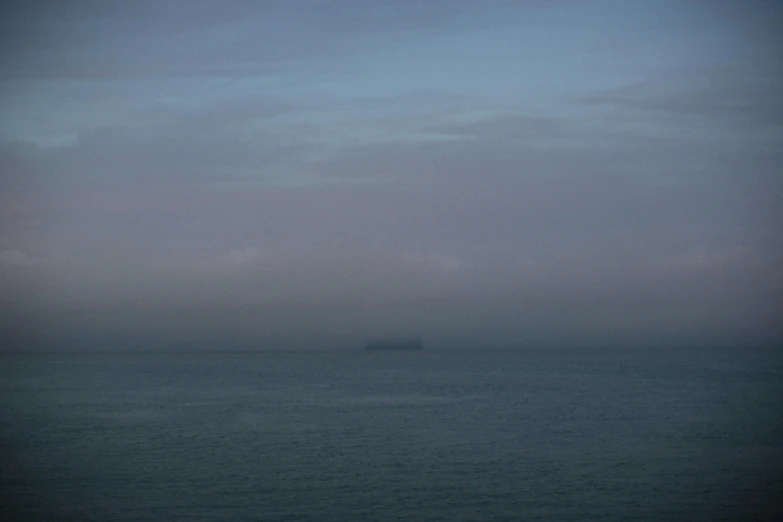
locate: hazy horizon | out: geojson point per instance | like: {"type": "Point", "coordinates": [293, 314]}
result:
{"type": "Point", "coordinates": [314, 173]}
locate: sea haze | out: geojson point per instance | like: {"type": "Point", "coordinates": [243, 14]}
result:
{"type": "Point", "coordinates": [665, 435]}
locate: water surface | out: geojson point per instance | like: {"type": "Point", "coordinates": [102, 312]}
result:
{"type": "Point", "coordinates": [336, 436]}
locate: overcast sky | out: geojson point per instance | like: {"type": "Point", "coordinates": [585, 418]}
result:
{"type": "Point", "coordinates": [314, 172]}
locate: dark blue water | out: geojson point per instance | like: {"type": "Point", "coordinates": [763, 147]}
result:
{"type": "Point", "coordinates": [343, 436]}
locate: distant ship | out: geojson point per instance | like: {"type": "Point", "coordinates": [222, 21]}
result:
{"type": "Point", "coordinates": [395, 344]}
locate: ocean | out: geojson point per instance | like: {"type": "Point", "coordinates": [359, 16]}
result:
{"type": "Point", "coordinates": [527, 435]}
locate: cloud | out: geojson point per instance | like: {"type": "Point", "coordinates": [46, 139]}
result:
{"type": "Point", "coordinates": [234, 259]}
{"type": "Point", "coordinates": [745, 98]}
{"type": "Point", "coordinates": [15, 258]}
{"type": "Point", "coordinates": [181, 146]}
{"type": "Point", "coordinates": [173, 38]}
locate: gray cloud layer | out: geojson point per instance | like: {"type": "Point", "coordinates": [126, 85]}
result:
{"type": "Point", "coordinates": [249, 171]}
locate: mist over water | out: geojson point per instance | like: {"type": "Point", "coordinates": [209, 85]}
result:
{"type": "Point", "coordinates": [472, 435]}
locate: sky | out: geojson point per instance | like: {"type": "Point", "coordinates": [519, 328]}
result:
{"type": "Point", "coordinates": [311, 173]}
